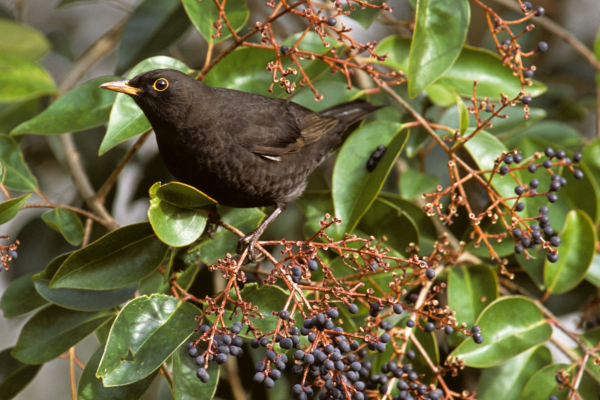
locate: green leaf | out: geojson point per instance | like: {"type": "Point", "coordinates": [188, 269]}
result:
{"type": "Point", "coordinates": [593, 273]}
{"type": "Point", "coordinates": [334, 92]}
{"type": "Point", "coordinates": [414, 183]}
{"type": "Point", "coordinates": [21, 40]}
{"type": "Point", "coordinates": [146, 332]}
{"type": "Point", "coordinates": [126, 119]}
{"type": "Point", "coordinates": [20, 297]}
{"type": "Point", "coordinates": [463, 114]}
{"type": "Point", "coordinates": [14, 375]}
{"type": "Point", "coordinates": [204, 14]}
{"type": "Point", "coordinates": [364, 16]}
{"type": "Point", "coordinates": [78, 299]}
{"type": "Point", "coordinates": [83, 107]}
{"type": "Point", "coordinates": [484, 148]}
{"type": "Point", "coordinates": [510, 326]}
{"type": "Point", "coordinates": [185, 381]}
{"type": "Point", "coordinates": [507, 381]}
{"type": "Point", "coordinates": [575, 254]}
{"type": "Point", "coordinates": [53, 330]}
{"type": "Point", "coordinates": [543, 384]}
{"type": "Point", "coordinates": [101, 265]}
{"type": "Point", "coordinates": [154, 283]}
{"type": "Point", "coordinates": [13, 114]}
{"type": "Point", "coordinates": [255, 79]}
{"type": "Point", "coordinates": [10, 208]}
{"type": "Point", "coordinates": [473, 64]}
{"type": "Point", "coordinates": [16, 173]}
{"type": "Point", "coordinates": [355, 188]}
{"type": "Point", "coordinates": [543, 134]}
{"type": "Point", "coordinates": [440, 32]}
{"type": "Point", "coordinates": [210, 250]}
{"type": "Point", "coordinates": [22, 79]}
{"type": "Point", "coordinates": [91, 388]}
{"type": "Point", "coordinates": [174, 215]}
{"type": "Point", "coordinates": [152, 27]}
{"type": "Point", "coordinates": [266, 299]}
{"type": "Point", "coordinates": [470, 290]}
{"type": "Point", "coordinates": [66, 223]}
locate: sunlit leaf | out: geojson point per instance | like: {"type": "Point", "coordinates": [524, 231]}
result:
{"type": "Point", "coordinates": [65, 222]}
{"type": "Point", "coordinates": [16, 175]}
{"type": "Point", "coordinates": [21, 40]}
{"type": "Point", "coordinates": [22, 79]}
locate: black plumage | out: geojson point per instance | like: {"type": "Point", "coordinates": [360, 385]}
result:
{"type": "Point", "coordinates": [241, 149]}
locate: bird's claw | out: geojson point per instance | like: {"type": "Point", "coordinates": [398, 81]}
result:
{"type": "Point", "coordinates": [212, 223]}
{"type": "Point", "coordinates": [247, 242]}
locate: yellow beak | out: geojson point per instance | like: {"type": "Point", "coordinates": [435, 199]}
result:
{"type": "Point", "coordinates": [122, 87]}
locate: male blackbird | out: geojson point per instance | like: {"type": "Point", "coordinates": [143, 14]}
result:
{"type": "Point", "coordinates": [241, 149]}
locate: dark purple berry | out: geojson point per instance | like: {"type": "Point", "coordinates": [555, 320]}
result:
{"type": "Point", "coordinates": [520, 207]}
{"type": "Point", "coordinates": [526, 242]}
{"type": "Point", "coordinates": [547, 164]}
{"type": "Point", "coordinates": [269, 383]}
{"type": "Point", "coordinates": [548, 230]}
{"type": "Point", "coordinates": [193, 352]}
{"type": "Point", "coordinates": [518, 158]}
{"type": "Point", "coordinates": [331, 21]}
{"type": "Point", "coordinates": [532, 168]}
{"type": "Point", "coordinates": [555, 241]}
{"type": "Point", "coordinates": [429, 327]}
{"type": "Point", "coordinates": [448, 329]}
{"type": "Point", "coordinates": [534, 183]}
{"type": "Point", "coordinates": [577, 157]}
{"type": "Point", "coordinates": [552, 197]}
{"type": "Point", "coordinates": [398, 309]}
{"type": "Point", "coordinates": [560, 154]}
{"type": "Point", "coordinates": [578, 174]}
{"type": "Point", "coordinates": [552, 257]}
{"type": "Point", "coordinates": [478, 338]}
{"type": "Point", "coordinates": [527, 100]}
{"type": "Point", "coordinates": [527, 6]}
{"type": "Point", "coordinates": [410, 323]}
{"type": "Point", "coordinates": [527, 73]}
{"type": "Point", "coordinates": [503, 170]}
{"type": "Point", "coordinates": [13, 254]}
{"type": "Point", "coordinates": [508, 159]}
{"type": "Point", "coordinates": [519, 190]}
{"type": "Point", "coordinates": [539, 11]}
{"type": "Point", "coordinates": [284, 315]}
{"type": "Point", "coordinates": [554, 186]}
{"type": "Point", "coordinates": [333, 313]}
{"type": "Point", "coordinates": [284, 49]}
{"type": "Point", "coordinates": [430, 273]}
{"type": "Point", "coordinates": [222, 358]}
{"type": "Point", "coordinates": [542, 46]}
{"type": "Point", "coordinates": [519, 248]}
{"type": "Point", "coordinates": [544, 210]}
{"type": "Point", "coordinates": [352, 308]}
{"type": "Point", "coordinates": [549, 152]}
{"type": "Point", "coordinates": [313, 265]}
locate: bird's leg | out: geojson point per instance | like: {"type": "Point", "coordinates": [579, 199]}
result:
{"type": "Point", "coordinates": [212, 224]}
{"type": "Point", "coordinates": [248, 241]}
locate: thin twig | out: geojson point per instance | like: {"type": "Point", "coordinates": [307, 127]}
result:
{"type": "Point", "coordinates": [76, 210]}
{"type": "Point", "coordinates": [72, 373]}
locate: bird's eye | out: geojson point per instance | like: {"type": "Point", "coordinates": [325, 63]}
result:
{"type": "Point", "coordinates": [161, 85]}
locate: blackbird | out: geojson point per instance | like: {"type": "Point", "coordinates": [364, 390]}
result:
{"type": "Point", "coordinates": [241, 149]}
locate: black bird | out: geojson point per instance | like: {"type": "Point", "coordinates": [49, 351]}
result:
{"type": "Point", "coordinates": [241, 149]}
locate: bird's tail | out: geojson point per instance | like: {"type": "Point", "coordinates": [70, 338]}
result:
{"type": "Point", "coordinates": [351, 112]}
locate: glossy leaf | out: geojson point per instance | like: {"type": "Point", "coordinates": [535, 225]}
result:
{"type": "Point", "coordinates": [126, 118]}
{"type": "Point", "coordinates": [484, 148]}
{"type": "Point", "coordinates": [210, 250]}
{"type": "Point", "coordinates": [21, 40]}
{"type": "Point", "coordinates": [472, 64]}
{"type": "Point", "coordinates": [413, 184]}
{"type": "Point", "coordinates": [83, 107]}
{"type": "Point", "coordinates": [543, 384]}
{"type": "Point", "coordinates": [146, 332]}
{"type": "Point", "coordinates": [22, 79]}
{"type": "Point", "coordinates": [204, 14]}
{"type": "Point", "coordinates": [65, 222]}
{"type": "Point", "coordinates": [10, 208]}
{"type": "Point", "coordinates": [152, 27]}
{"type": "Point", "coordinates": [78, 299]}
{"type": "Point", "coordinates": [53, 330]}
{"type": "Point", "coordinates": [91, 388]}
{"type": "Point", "coordinates": [507, 381]}
{"type": "Point", "coordinates": [440, 31]}
{"type": "Point", "coordinates": [101, 265]}
{"type": "Point", "coordinates": [174, 213]}
{"type": "Point", "coordinates": [364, 16]}
{"type": "Point", "coordinates": [14, 375]}
{"type": "Point", "coordinates": [20, 297]}
{"type": "Point", "coordinates": [554, 134]}
{"type": "Point", "coordinates": [593, 273]}
{"type": "Point", "coordinates": [16, 173]}
{"type": "Point", "coordinates": [470, 290]}
{"type": "Point", "coordinates": [510, 326]}
{"type": "Point", "coordinates": [255, 79]}
{"type": "Point", "coordinates": [575, 254]}
{"type": "Point", "coordinates": [185, 382]}
{"type": "Point", "coordinates": [355, 188]}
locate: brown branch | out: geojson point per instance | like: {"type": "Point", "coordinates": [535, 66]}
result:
{"type": "Point", "coordinates": [76, 210]}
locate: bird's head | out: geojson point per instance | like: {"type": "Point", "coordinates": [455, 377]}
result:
{"type": "Point", "coordinates": [161, 93]}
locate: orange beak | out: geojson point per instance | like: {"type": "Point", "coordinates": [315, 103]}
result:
{"type": "Point", "coordinates": [121, 87]}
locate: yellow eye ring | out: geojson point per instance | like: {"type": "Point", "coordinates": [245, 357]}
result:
{"type": "Point", "coordinates": [161, 85]}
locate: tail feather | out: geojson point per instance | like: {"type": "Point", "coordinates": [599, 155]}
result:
{"type": "Point", "coordinates": [351, 112]}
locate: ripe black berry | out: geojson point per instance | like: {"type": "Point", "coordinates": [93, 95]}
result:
{"type": "Point", "coordinates": [552, 197]}
{"type": "Point", "coordinates": [548, 230]}
{"type": "Point", "coordinates": [549, 152]}
{"type": "Point", "coordinates": [430, 273]}
{"type": "Point", "coordinates": [352, 308]}
{"type": "Point", "coordinates": [193, 352]}
{"type": "Point", "coordinates": [333, 313]}
{"type": "Point", "coordinates": [410, 323]}
{"type": "Point", "coordinates": [519, 248]}
{"type": "Point", "coordinates": [525, 241]}
{"type": "Point", "coordinates": [518, 158]}
{"type": "Point", "coordinates": [560, 154]}
{"type": "Point", "coordinates": [520, 207]}
{"type": "Point", "coordinates": [578, 174]}
{"type": "Point", "coordinates": [526, 100]}
{"type": "Point", "coordinates": [552, 257]}
{"type": "Point", "coordinates": [284, 315]}
{"type": "Point", "coordinates": [478, 338]}
{"type": "Point", "coordinates": [539, 11]}
{"type": "Point", "coordinates": [508, 159]}
{"type": "Point", "coordinates": [547, 164]}
{"type": "Point", "coordinates": [269, 383]}
{"type": "Point", "coordinates": [554, 186]}
{"type": "Point", "coordinates": [284, 49]}
{"type": "Point", "coordinates": [534, 183]}
{"type": "Point", "coordinates": [528, 6]}
{"type": "Point", "coordinates": [577, 157]}
{"type": "Point", "coordinates": [398, 309]}
{"type": "Point", "coordinates": [542, 46]}
{"type": "Point", "coordinates": [544, 210]}
{"type": "Point", "coordinates": [313, 265]}
{"type": "Point", "coordinates": [331, 21]}
{"type": "Point", "coordinates": [555, 241]}
{"type": "Point", "coordinates": [503, 170]}
{"type": "Point", "coordinates": [532, 168]}
{"type": "Point", "coordinates": [429, 327]}
{"type": "Point", "coordinates": [410, 355]}
{"type": "Point", "coordinates": [528, 73]}
{"type": "Point", "coordinates": [448, 329]}
{"type": "Point", "coordinates": [519, 190]}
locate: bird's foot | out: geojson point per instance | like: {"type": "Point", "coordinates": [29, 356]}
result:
{"type": "Point", "coordinates": [212, 224]}
{"type": "Point", "coordinates": [248, 242]}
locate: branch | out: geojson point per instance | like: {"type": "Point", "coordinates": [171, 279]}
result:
{"type": "Point", "coordinates": [76, 210]}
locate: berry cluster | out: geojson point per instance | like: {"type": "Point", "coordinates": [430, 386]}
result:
{"type": "Point", "coordinates": [530, 236]}
{"type": "Point", "coordinates": [220, 347]}
{"type": "Point", "coordinates": [7, 253]}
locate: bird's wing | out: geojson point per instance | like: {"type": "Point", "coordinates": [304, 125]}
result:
{"type": "Point", "coordinates": [297, 128]}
